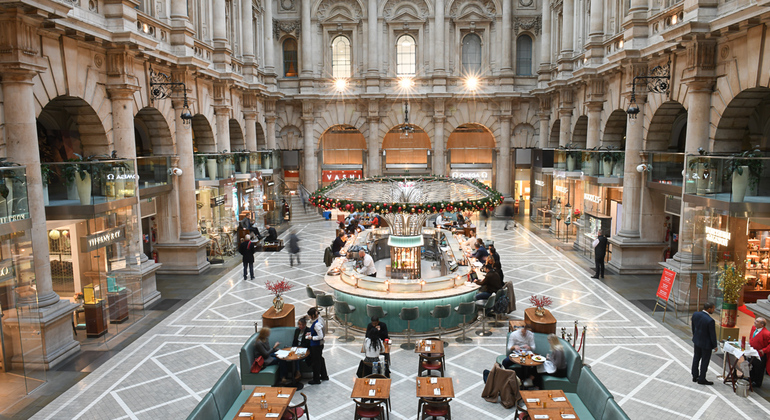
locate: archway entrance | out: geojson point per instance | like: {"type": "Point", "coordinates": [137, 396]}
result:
{"type": "Point", "coordinates": [745, 122]}
{"type": "Point", "coordinates": [343, 150]}
{"type": "Point", "coordinates": [406, 151]}
{"type": "Point", "coordinates": [472, 153]}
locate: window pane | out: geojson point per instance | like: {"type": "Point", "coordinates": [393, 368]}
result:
{"type": "Point", "coordinates": [341, 57]}
{"type": "Point", "coordinates": [524, 56]}
{"type": "Point", "coordinates": [406, 56]}
{"type": "Point", "coordinates": [472, 54]}
{"type": "Point", "coordinates": [290, 58]}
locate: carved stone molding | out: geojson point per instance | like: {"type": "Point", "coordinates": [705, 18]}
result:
{"type": "Point", "coordinates": [533, 24]}
{"type": "Point", "coordinates": [16, 36]}
{"type": "Point", "coordinates": [120, 63]}
{"type": "Point", "coordinates": [393, 6]}
{"type": "Point", "coordinates": [291, 27]}
{"type": "Point", "coordinates": [702, 54]}
{"type": "Point", "coordinates": [485, 7]}
{"type": "Point", "coordinates": [351, 5]}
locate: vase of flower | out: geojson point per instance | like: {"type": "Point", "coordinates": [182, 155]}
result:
{"type": "Point", "coordinates": [540, 303]}
{"type": "Point", "coordinates": [278, 288]}
{"type": "Point", "coordinates": [539, 311]}
{"type": "Point", "coordinates": [278, 303]}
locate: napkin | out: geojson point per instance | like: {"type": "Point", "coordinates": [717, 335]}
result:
{"type": "Point", "coordinates": [281, 354]}
{"type": "Point", "coordinates": [271, 415]}
{"type": "Point", "coordinates": [372, 381]}
{"type": "Point", "coordinates": [436, 391]}
{"type": "Point", "coordinates": [434, 380]}
{"type": "Point", "coordinates": [542, 416]}
{"type": "Point", "coordinates": [427, 342]}
{"type": "Point", "coordinates": [259, 394]}
{"type": "Point", "coordinates": [559, 399]}
{"type": "Point", "coordinates": [301, 351]}
{"type": "Point", "coordinates": [533, 400]}
{"type": "Point", "coordinates": [371, 392]}
{"type": "Point", "coordinates": [294, 349]}
{"type": "Point", "coordinates": [568, 416]}
{"type": "Point", "coordinates": [244, 415]}
{"type": "Point", "coordinates": [283, 395]}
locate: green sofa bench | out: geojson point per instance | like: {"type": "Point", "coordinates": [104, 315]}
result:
{"type": "Point", "coordinates": [223, 400]}
{"type": "Point", "coordinates": [268, 376]}
{"type": "Point", "coordinates": [542, 347]}
{"type": "Point", "coordinates": [592, 397]}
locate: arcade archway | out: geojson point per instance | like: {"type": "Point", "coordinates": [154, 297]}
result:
{"type": "Point", "coordinates": [472, 154]}
{"type": "Point", "coordinates": [406, 150]}
{"type": "Point", "coordinates": [343, 153]}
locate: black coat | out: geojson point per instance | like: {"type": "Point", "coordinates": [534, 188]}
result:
{"type": "Point", "coordinates": [247, 249]}
{"type": "Point", "coordinates": [272, 235]}
{"type": "Point", "coordinates": [383, 333]}
{"type": "Point", "coordinates": [299, 338]}
{"type": "Point", "coordinates": [601, 248]}
{"type": "Point", "coordinates": [704, 333]}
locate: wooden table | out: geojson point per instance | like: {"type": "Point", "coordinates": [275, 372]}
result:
{"type": "Point", "coordinates": [527, 361]}
{"type": "Point", "coordinates": [361, 389]}
{"type": "Point", "coordinates": [543, 397]}
{"type": "Point", "coordinates": [275, 404]}
{"type": "Point", "coordinates": [285, 318]}
{"type": "Point", "coordinates": [425, 389]}
{"type": "Point", "coordinates": [437, 347]}
{"type": "Point", "coordinates": [545, 324]}
{"type": "Point", "coordinates": [291, 359]}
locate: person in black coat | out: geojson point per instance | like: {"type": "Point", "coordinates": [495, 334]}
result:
{"type": "Point", "coordinates": [247, 249]}
{"type": "Point", "coordinates": [381, 327]}
{"type": "Point", "coordinates": [272, 235]}
{"type": "Point", "coordinates": [704, 337]}
{"type": "Point", "coordinates": [600, 251]}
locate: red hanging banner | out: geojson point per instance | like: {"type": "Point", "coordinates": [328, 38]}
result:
{"type": "Point", "coordinates": [666, 282]}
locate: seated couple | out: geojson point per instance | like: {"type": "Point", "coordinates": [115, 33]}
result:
{"type": "Point", "coordinates": [523, 341]}
{"type": "Point", "coordinates": [262, 348]}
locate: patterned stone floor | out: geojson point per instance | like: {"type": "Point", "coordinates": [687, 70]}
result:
{"type": "Point", "coordinates": [163, 374]}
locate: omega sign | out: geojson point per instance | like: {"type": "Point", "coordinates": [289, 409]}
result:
{"type": "Point", "coordinates": [482, 175]}
{"type": "Point", "coordinates": [539, 183]}
{"type": "Point", "coordinates": [102, 239]}
{"type": "Point", "coordinates": [112, 177]}
{"type": "Point", "coordinates": [717, 236]}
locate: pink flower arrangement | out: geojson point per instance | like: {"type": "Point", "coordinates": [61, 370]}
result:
{"type": "Point", "coordinates": [540, 302]}
{"type": "Point", "coordinates": [278, 287]}
{"type": "Point", "coordinates": [576, 214]}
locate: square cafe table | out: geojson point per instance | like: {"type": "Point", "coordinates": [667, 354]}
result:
{"type": "Point", "coordinates": [426, 389]}
{"type": "Point", "coordinates": [276, 405]}
{"type": "Point", "coordinates": [436, 347]}
{"type": "Point", "coordinates": [381, 388]}
{"type": "Point", "coordinates": [553, 409]}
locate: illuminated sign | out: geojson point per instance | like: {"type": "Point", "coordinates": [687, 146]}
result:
{"type": "Point", "coordinates": [113, 177]}
{"type": "Point", "coordinates": [331, 176]}
{"type": "Point", "coordinates": [592, 198]}
{"type": "Point", "coordinates": [101, 239]}
{"type": "Point", "coordinates": [470, 174]}
{"type": "Point", "coordinates": [14, 217]}
{"type": "Point", "coordinates": [218, 201]}
{"type": "Point", "coordinates": [717, 236]}
{"type": "Point", "coordinates": [562, 190]}
{"type": "Point", "coordinates": [540, 183]}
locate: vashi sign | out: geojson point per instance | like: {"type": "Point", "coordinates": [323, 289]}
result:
{"type": "Point", "coordinates": [331, 176]}
{"type": "Point", "coordinates": [666, 282]}
{"type": "Point", "coordinates": [101, 239]}
{"type": "Point", "coordinates": [717, 236]}
{"type": "Point", "coordinates": [563, 190]}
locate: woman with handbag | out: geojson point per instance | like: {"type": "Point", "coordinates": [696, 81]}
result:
{"type": "Point", "coordinates": [262, 349]}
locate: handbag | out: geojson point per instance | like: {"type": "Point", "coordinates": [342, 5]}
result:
{"type": "Point", "coordinates": [258, 364]}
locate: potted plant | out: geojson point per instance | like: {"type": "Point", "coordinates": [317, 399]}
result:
{"type": "Point", "coordinates": [278, 287]}
{"type": "Point", "coordinates": [225, 161]}
{"type": "Point", "coordinates": [608, 159]}
{"type": "Point", "coordinates": [540, 303]}
{"type": "Point", "coordinates": [589, 166]}
{"type": "Point", "coordinates": [700, 166]}
{"type": "Point", "coordinates": [6, 183]}
{"type": "Point", "coordinates": [573, 155]}
{"type": "Point", "coordinates": [745, 170]}
{"type": "Point", "coordinates": [243, 161]}
{"type": "Point", "coordinates": [45, 174]}
{"type": "Point", "coordinates": [199, 161]}
{"type": "Point", "coordinates": [731, 282]}
{"type": "Point", "coordinates": [83, 174]}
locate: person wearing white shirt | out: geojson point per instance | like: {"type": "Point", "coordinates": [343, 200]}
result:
{"type": "Point", "coordinates": [440, 220]}
{"type": "Point", "coordinates": [317, 347]}
{"type": "Point", "coordinates": [368, 268]}
{"type": "Point", "coordinates": [521, 340]}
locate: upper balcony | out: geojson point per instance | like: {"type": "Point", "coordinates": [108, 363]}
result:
{"type": "Point", "coordinates": [602, 166]}
{"type": "Point", "coordinates": [666, 173]}
{"type": "Point", "coordinates": [13, 194]}
{"type": "Point", "coordinates": [223, 166]}
{"type": "Point", "coordinates": [728, 183]}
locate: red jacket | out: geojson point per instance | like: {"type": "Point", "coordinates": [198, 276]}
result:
{"type": "Point", "coordinates": [761, 342]}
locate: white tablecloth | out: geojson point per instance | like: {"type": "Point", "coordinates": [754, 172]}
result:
{"type": "Point", "coordinates": [734, 348]}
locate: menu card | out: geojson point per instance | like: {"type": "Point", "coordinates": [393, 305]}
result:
{"type": "Point", "coordinates": [559, 399]}
{"type": "Point", "coordinates": [436, 391]}
{"type": "Point", "coordinates": [434, 380]}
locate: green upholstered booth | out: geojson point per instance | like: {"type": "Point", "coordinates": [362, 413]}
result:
{"type": "Point", "coordinates": [205, 410]}
{"type": "Point", "coordinates": [591, 398]}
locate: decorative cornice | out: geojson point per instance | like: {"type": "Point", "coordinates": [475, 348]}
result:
{"type": "Point", "coordinates": [287, 26]}
{"type": "Point", "coordinates": [533, 24]}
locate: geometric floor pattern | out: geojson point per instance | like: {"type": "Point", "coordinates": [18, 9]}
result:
{"type": "Point", "coordinates": [164, 373]}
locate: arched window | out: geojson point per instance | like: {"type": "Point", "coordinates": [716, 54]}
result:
{"type": "Point", "coordinates": [524, 56]}
{"type": "Point", "coordinates": [406, 56]}
{"type": "Point", "coordinates": [290, 57]}
{"type": "Point", "coordinates": [472, 54]}
{"type": "Point", "coordinates": [341, 57]}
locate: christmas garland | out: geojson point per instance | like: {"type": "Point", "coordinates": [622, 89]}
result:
{"type": "Point", "coordinates": [492, 199]}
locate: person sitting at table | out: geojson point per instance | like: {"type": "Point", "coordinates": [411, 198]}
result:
{"type": "Point", "coordinates": [471, 240]}
{"type": "Point", "coordinates": [481, 253]}
{"type": "Point", "coordinates": [262, 348]}
{"type": "Point", "coordinates": [302, 340]}
{"type": "Point", "coordinates": [373, 346]}
{"type": "Point", "coordinates": [521, 340]}
{"type": "Point", "coordinates": [491, 282]}
{"type": "Point", "coordinates": [272, 235]}
{"type": "Point", "coordinates": [379, 327]}
{"type": "Point", "coordinates": [353, 227]}
{"type": "Point", "coordinates": [339, 243]}
{"type": "Point", "coordinates": [493, 252]}
{"type": "Point", "coordinates": [554, 365]}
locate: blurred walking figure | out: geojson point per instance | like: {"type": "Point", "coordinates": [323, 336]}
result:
{"type": "Point", "coordinates": [508, 213]}
{"type": "Point", "coordinates": [303, 197]}
{"type": "Point", "coordinates": [293, 249]}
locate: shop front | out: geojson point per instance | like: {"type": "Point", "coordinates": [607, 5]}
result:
{"type": "Point", "coordinates": [471, 150]}
{"type": "Point", "coordinates": [406, 150]}
{"type": "Point", "coordinates": [598, 208]}
{"type": "Point", "coordinates": [541, 183]}
{"type": "Point", "coordinates": [522, 177]}
{"type": "Point", "coordinates": [22, 367]}
{"type": "Point", "coordinates": [342, 154]}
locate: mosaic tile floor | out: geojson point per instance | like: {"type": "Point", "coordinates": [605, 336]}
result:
{"type": "Point", "coordinates": [163, 374]}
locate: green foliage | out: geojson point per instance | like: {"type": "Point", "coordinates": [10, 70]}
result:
{"type": "Point", "coordinates": [701, 160]}
{"type": "Point", "coordinates": [731, 281]}
{"type": "Point", "coordinates": [746, 158]}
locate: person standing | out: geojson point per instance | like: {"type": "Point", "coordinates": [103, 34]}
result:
{"type": "Point", "coordinates": [317, 347]}
{"type": "Point", "coordinates": [704, 337]}
{"type": "Point", "coordinates": [759, 340]}
{"type": "Point", "coordinates": [600, 251]}
{"type": "Point", "coordinates": [247, 249]}
{"type": "Point", "coordinates": [293, 249]}
{"type": "Point", "coordinates": [368, 268]}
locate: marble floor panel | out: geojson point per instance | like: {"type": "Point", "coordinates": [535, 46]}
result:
{"type": "Point", "coordinates": [164, 373]}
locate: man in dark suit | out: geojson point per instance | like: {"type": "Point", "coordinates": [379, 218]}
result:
{"type": "Point", "coordinates": [272, 235]}
{"type": "Point", "coordinates": [382, 329]}
{"type": "Point", "coordinates": [704, 337]}
{"type": "Point", "coordinates": [247, 249]}
{"type": "Point", "coordinates": [600, 251]}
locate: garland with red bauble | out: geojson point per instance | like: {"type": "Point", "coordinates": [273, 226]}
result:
{"type": "Point", "coordinates": [493, 198]}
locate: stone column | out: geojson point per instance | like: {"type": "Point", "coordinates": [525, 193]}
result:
{"type": "Point", "coordinates": [568, 11]}
{"type": "Point", "coordinates": [698, 110]}
{"type": "Point", "coordinates": [247, 30]}
{"type": "Point", "coordinates": [307, 45]}
{"type": "Point", "coordinates": [223, 128]}
{"type": "Point", "coordinates": [310, 161]}
{"type": "Point", "coordinates": [544, 133]}
{"type": "Point", "coordinates": [439, 37]}
{"type": "Point", "coordinates": [565, 127]}
{"type": "Point", "coordinates": [594, 124]}
{"type": "Point", "coordinates": [595, 28]}
{"type": "Point", "coordinates": [439, 148]}
{"type": "Point", "coordinates": [373, 141]}
{"type": "Point", "coordinates": [373, 31]}
{"type": "Point", "coordinates": [506, 66]}
{"type": "Point", "coordinates": [545, 37]}
{"type": "Point", "coordinates": [178, 9]}
{"type": "Point", "coordinates": [504, 157]}
{"type": "Point", "coordinates": [632, 179]}
{"type": "Point", "coordinates": [268, 34]}
{"type": "Point", "coordinates": [251, 129]}
{"type": "Point", "coordinates": [219, 24]}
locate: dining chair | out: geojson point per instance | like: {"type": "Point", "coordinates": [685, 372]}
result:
{"type": "Point", "coordinates": [440, 312]}
{"type": "Point", "coordinates": [294, 412]}
{"type": "Point", "coordinates": [409, 315]}
{"type": "Point", "coordinates": [369, 410]}
{"type": "Point", "coordinates": [465, 309]}
{"type": "Point", "coordinates": [434, 408]}
{"type": "Point", "coordinates": [483, 305]}
{"type": "Point", "coordinates": [429, 364]}
{"type": "Point", "coordinates": [343, 308]}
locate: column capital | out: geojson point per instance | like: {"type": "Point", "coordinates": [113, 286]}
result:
{"type": "Point", "coordinates": [544, 115]}
{"type": "Point", "coordinates": [220, 110]}
{"type": "Point", "coordinates": [595, 106]}
{"type": "Point", "coordinates": [121, 91]}
{"type": "Point", "coordinates": [250, 114]}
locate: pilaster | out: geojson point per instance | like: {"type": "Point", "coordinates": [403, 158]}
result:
{"type": "Point", "coordinates": [373, 141]}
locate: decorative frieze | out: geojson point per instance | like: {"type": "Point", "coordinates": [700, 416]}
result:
{"type": "Point", "coordinates": [291, 27]}
{"type": "Point", "coordinates": [532, 24]}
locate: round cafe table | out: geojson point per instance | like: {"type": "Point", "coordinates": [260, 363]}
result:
{"type": "Point", "coordinates": [527, 361]}
{"type": "Point", "coordinates": [291, 359]}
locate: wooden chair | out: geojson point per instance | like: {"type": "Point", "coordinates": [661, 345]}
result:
{"type": "Point", "coordinates": [366, 410]}
{"type": "Point", "coordinates": [294, 412]}
{"type": "Point", "coordinates": [434, 408]}
{"type": "Point", "coordinates": [429, 364]}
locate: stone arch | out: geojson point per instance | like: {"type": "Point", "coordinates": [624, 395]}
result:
{"type": "Point", "coordinates": [743, 124]}
{"type": "Point", "coordinates": [261, 141]}
{"type": "Point", "coordinates": [342, 144]}
{"type": "Point", "coordinates": [326, 9]}
{"type": "Point", "coordinates": [400, 150]}
{"type": "Point", "coordinates": [153, 134]}
{"type": "Point", "coordinates": [391, 9]}
{"type": "Point", "coordinates": [237, 142]}
{"type": "Point", "coordinates": [524, 136]}
{"type": "Point", "coordinates": [341, 113]}
{"type": "Point", "coordinates": [458, 8]}
{"type": "Point", "coordinates": [667, 129]}
{"type": "Point", "coordinates": [71, 125]}
{"type": "Point", "coordinates": [580, 132]}
{"type": "Point", "coordinates": [471, 143]}
{"type": "Point", "coordinates": [289, 138]}
{"type": "Point", "coordinates": [417, 118]}
{"type": "Point", "coordinates": [203, 135]}
{"type": "Point", "coordinates": [553, 140]}
{"type": "Point", "coordinates": [615, 130]}
{"type": "Point", "coordinates": [473, 112]}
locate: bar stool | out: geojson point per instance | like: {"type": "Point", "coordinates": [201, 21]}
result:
{"type": "Point", "coordinates": [409, 315]}
{"type": "Point", "coordinates": [326, 302]}
{"type": "Point", "coordinates": [465, 309]}
{"type": "Point", "coordinates": [440, 312]}
{"type": "Point", "coordinates": [375, 311]}
{"type": "Point", "coordinates": [485, 304]}
{"type": "Point", "coordinates": [312, 294]}
{"type": "Point", "coordinates": [342, 308]}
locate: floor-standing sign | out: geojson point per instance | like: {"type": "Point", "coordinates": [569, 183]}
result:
{"type": "Point", "coordinates": [664, 291]}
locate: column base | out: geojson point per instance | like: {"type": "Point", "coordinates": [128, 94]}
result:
{"type": "Point", "coordinates": [150, 293]}
{"type": "Point", "coordinates": [684, 294]}
{"type": "Point", "coordinates": [635, 256]}
{"type": "Point", "coordinates": [187, 257]}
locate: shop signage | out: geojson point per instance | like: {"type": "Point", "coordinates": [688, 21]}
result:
{"type": "Point", "coordinates": [248, 190]}
{"type": "Point", "coordinates": [666, 282]}
{"type": "Point", "coordinates": [6, 268]}
{"type": "Point", "coordinates": [113, 177]}
{"type": "Point", "coordinates": [592, 198]}
{"type": "Point", "coordinates": [561, 189]}
{"type": "Point", "coordinates": [539, 183]}
{"type": "Point", "coordinates": [331, 176]}
{"type": "Point", "coordinates": [717, 236]}
{"type": "Point", "coordinates": [699, 281]}
{"type": "Point", "coordinates": [101, 239]}
{"type": "Point", "coordinates": [14, 217]}
{"type": "Point", "coordinates": [218, 201]}
{"type": "Point", "coordinates": [471, 174]}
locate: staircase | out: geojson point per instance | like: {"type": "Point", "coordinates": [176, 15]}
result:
{"type": "Point", "coordinates": [298, 215]}
{"type": "Point", "coordinates": [761, 308]}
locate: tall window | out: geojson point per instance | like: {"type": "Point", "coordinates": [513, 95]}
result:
{"type": "Point", "coordinates": [341, 57]}
{"type": "Point", "coordinates": [524, 56]}
{"type": "Point", "coordinates": [406, 56]}
{"type": "Point", "coordinates": [472, 54]}
{"type": "Point", "coordinates": [290, 57]}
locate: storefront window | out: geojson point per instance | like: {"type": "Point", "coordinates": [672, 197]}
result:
{"type": "Point", "coordinates": [542, 182]}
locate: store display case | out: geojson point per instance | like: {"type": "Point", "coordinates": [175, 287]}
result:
{"type": "Point", "coordinates": [588, 227]}
{"type": "Point", "coordinates": [757, 267]}
{"type": "Point", "coordinates": [94, 311]}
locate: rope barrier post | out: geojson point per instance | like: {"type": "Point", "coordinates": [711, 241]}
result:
{"type": "Point", "coordinates": [583, 347]}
